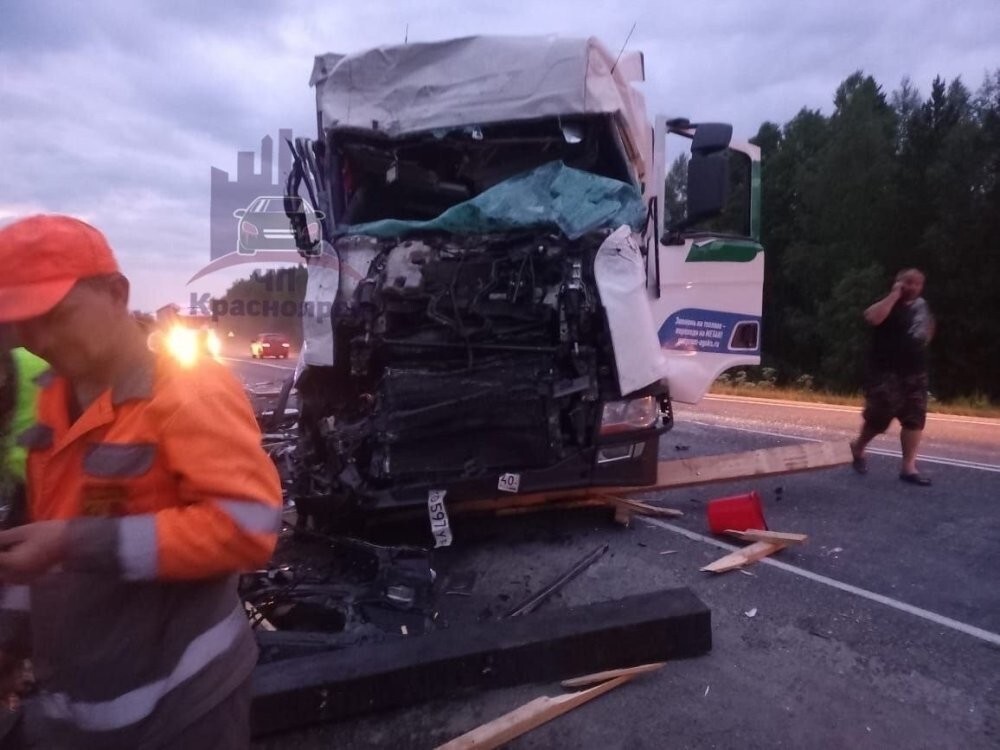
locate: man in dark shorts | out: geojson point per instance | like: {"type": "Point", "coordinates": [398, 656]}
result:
{"type": "Point", "coordinates": [896, 386]}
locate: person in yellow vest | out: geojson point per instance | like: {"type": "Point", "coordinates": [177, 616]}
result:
{"type": "Point", "coordinates": [19, 372]}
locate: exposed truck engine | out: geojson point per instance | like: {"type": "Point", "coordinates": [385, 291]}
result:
{"type": "Point", "coordinates": [465, 362]}
{"type": "Point", "coordinates": [495, 258]}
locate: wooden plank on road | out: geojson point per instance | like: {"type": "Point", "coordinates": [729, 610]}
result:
{"type": "Point", "coordinates": [756, 535]}
{"type": "Point", "coordinates": [530, 716]}
{"type": "Point", "coordinates": [739, 558]}
{"type": "Point", "coordinates": [593, 679]}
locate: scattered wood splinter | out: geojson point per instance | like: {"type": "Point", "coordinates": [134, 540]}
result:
{"type": "Point", "coordinates": [530, 716]}
{"type": "Point", "coordinates": [639, 508]}
{"type": "Point", "coordinates": [757, 535]}
{"type": "Point", "coordinates": [592, 679]}
{"type": "Point", "coordinates": [765, 543]}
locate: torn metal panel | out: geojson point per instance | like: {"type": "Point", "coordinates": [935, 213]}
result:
{"type": "Point", "coordinates": [619, 270]}
{"type": "Point", "coordinates": [317, 331]}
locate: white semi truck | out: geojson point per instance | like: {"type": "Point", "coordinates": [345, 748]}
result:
{"type": "Point", "coordinates": [513, 305]}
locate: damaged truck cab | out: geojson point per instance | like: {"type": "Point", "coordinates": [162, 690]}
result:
{"type": "Point", "coordinates": [513, 303]}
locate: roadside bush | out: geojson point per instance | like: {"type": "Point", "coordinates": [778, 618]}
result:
{"type": "Point", "coordinates": [805, 382]}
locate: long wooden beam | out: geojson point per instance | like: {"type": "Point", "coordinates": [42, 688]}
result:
{"type": "Point", "coordinates": [767, 462]}
{"type": "Point", "coordinates": [688, 472]}
{"type": "Point", "coordinates": [546, 645]}
{"type": "Point", "coordinates": [674, 474]}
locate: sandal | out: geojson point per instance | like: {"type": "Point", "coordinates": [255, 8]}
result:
{"type": "Point", "coordinates": [860, 463]}
{"type": "Point", "coordinates": [918, 479]}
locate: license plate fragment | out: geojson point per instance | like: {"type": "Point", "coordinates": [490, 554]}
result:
{"type": "Point", "coordinates": [440, 527]}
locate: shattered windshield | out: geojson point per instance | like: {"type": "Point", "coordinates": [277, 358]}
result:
{"type": "Point", "coordinates": [553, 195]}
{"type": "Point", "coordinates": [420, 178]}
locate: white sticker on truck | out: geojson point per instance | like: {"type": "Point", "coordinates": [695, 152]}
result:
{"type": "Point", "coordinates": [440, 527]}
{"type": "Point", "coordinates": [509, 482]}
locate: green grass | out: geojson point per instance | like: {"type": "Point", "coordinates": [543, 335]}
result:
{"type": "Point", "coordinates": [965, 407]}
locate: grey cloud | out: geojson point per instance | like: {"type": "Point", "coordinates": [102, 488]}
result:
{"type": "Point", "coordinates": [142, 27]}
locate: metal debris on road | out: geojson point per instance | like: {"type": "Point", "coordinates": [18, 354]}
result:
{"type": "Point", "coordinates": [751, 612]}
{"type": "Point", "coordinates": [536, 600]}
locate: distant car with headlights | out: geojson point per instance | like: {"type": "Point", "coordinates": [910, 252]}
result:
{"type": "Point", "coordinates": [274, 345]}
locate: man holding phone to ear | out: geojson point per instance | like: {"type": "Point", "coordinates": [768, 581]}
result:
{"type": "Point", "coordinates": [897, 382]}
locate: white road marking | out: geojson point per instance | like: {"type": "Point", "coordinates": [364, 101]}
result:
{"type": "Point", "coordinates": [982, 421]}
{"type": "Point", "coordinates": [947, 622]}
{"type": "Point", "coordinates": [960, 463]}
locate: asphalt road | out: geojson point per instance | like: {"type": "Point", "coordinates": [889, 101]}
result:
{"type": "Point", "coordinates": [948, 437]}
{"type": "Point", "coordinates": [257, 371]}
{"type": "Point", "coordinates": [883, 631]}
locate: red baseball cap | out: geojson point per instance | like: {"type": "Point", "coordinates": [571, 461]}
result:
{"type": "Point", "coordinates": [42, 257]}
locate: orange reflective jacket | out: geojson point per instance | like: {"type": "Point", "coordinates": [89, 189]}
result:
{"type": "Point", "coordinates": [169, 495]}
{"type": "Point", "coordinates": [170, 458]}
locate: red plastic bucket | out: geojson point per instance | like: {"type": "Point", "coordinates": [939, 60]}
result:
{"type": "Point", "coordinates": [739, 512]}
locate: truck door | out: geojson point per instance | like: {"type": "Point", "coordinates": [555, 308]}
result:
{"type": "Point", "coordinates": [706, 276]}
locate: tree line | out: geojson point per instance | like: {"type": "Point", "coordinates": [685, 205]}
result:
{"type": "Point", "coordinates": [882, 183]}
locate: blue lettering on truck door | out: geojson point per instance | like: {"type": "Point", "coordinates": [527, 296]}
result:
{"type": "Point", "coordinates": [711, 331]}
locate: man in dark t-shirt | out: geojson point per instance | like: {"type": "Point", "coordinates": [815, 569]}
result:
{"type": "Point", "coordinates": [896, 384]}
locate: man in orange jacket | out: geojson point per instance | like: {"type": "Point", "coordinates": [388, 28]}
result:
{"type": "Point", "coordinates": [148, 492]}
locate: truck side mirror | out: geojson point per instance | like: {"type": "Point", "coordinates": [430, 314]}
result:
{"type": "Point", "coordinates": [707, 186]}
{"type": "Point", "coordinates": [711, 137]}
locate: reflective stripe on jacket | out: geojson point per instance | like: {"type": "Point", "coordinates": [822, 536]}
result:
{"type": "Point", "coordinates": [169, 495]}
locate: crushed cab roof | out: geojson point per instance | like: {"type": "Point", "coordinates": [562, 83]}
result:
{"type": "Point", "coordinates": [479, 80]}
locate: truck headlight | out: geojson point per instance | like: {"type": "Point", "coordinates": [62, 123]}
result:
{"type": "Point", "coordinates": [628, 416]}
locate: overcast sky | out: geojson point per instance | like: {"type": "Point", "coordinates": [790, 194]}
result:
{"type": "Point", "coordinates": [115, 111]}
